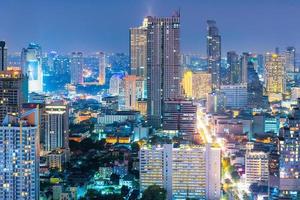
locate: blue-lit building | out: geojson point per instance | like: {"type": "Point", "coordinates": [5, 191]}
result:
{"type": "Point", "coordinates": [31, 62]}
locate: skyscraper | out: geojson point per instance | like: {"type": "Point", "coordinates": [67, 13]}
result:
{"type": "Point", "coordinates": [138, 50]}
{"type": "Point", "coordinates": [32, 67]}
{"type": "Point", "coordinates": [214, 53]}
{"type": "Point", "coordinates": [13, 92]}
{"type": "Point", "coordinates": [163, 63]}
{"type": "Point", "coordinates": [3, 56]}
{"type": "Point", "coordinates": [244, 67]}
{"type": "Point", "coordinates": [234, 69]}
{"type": "Point", "coordinates": [19, 155]}
{"type": "Point", "coordinates": [102, 66]}
{"type": "Point", "coordinates": [180, 118]}
{"type": "Point", "coordinates": [185, 172]}
{"type": "Point", "coordinates": [56, 126]}
{"type": "Point", "coordinates": [76, 68]}
{"type": "Point", "coordinates": [275, 76]}
{"type": "Point", "coordinates": [290, 59]}
{"type": "Point", "coordinates": [130, 92]}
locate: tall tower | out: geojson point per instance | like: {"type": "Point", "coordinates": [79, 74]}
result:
{"type": "Point", "coordinates": [3, 56]}
{"type": "Point", "coordinates": [102, 65]}
{"type": "Point", "coordinates": [163, 64]}
{"type": "Point", "coordinates": [138, 50]}
{"type": "Point", "coordinates": [234, 69]}
{"type": "Point", "coordinates": [290, 59]}
{"type": "Point", "coordinates": [56, 126]}
{"type": "Point", "coordinates": [32, 67]}
{"type": "Point", "coordinates": [19, 166]}
{"type": "Point", "coordinates": [244, 67]}
{"type": "Point", "coordinates": [13, 92]}
{"type": "Point", "coordinates": [275, 76]}
{"type": "Point", "coordinates": [214, 53]}
{"type": "Point", "coordinates": [76, 68]}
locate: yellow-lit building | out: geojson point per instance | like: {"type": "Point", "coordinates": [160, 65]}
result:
{"type": "Point", "coordinates": [187, 83]}
{"type": "Point", "coordinates": [196, 85]}
{"type": "Point", "coordinates": [275, 77]}
{"type": "Point", "coordinates": [141, 106]}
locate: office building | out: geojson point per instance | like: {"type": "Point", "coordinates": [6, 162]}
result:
{"type": "Point", "coordinates": [3, 56]}
{"type": "Point", "coordinates": [19, 155]}
{"type": "Point", "coordinates": [215, 102]}
{"type": "Point", "coordinates": [256, 167]}
{"type": "Point", "coordinates": [201, 85]}
{"type": "Point", "coordinates": [31, 59]}
{"type": "Point", "coordinates": [76, 68]}
{"type": "Point", "coordinates": [236, 95]}
{"type": "Point", "coordinates": [13, 91]}
{"type": "Point", "coordinates": [234, 68]}
{"type": "Point", "coordinates": [138, 50]}
{"type": "Point", "coordinates": [130, 92]}
{"type": "Point", "coordinates": [163, 63]}
{"type": "Point", "coordinates": [192, 172]}
{"type": "Point", "coordinates": [196, 85]}
{"type": "Point", "coordinates": [114, 84]}
{"type": "Point", "coordinates": [56, 126]}
{"type": "Point", "coordinates": [180, 117]}
{"type": "Point", "coordinates": [290, 59]}
{"type": "Point", "coordinates": [244, 62]}
{"type": "Point", "coordinates": [214, 53]}
{"type": "Point", "coordinates": [102, 68]}
{"type": "Point", "coordinates": [275, 76]}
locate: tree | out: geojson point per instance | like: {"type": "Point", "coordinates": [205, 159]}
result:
{"type": "Point", "coordinates": [154, 192]}
{"type": "Point", "coordinates": [114, 178]}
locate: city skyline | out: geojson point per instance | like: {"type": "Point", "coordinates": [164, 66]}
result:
{"type": "Point", "coordinates": [67, 26]}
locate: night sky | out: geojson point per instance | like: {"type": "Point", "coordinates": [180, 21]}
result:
{"type": "Point", "coordinates": [93, 25]}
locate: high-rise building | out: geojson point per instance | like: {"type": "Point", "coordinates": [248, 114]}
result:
{"type": "Point", "coordinates": [236, 95]}
{"type": "Point", "coordinates": [163, 64]}
{"type": "Point", "coordinates": [56, 126]}
{"type": "Point", "coordinates": [275, 76]}
{"type": "Point", "coordinates": [40, 107]}
{"type": "Point", "coordinates": [13, 91]}
{"type": "Point", "coordinates": [138, 50]}
{"type": "Point", "coordinates": [256, 167]}
{"type": "Point", "coordinates": [244, 67]}
{"type": "Point", "coordinates": [76, 68]}
{"type": "Point", "coordinates": [234, 69]}
{"type": "Point", "coordinates": [180, 118]}
{"type": "Point", "coordinates": [201, 85]}
{"type": "Point", "coordinates": [114, 84]}
{"type": "Point", "coordinates": [3, 56]}
{"type": "Point", "coordinates": [254, 88]}
{"type": "Point", "coordinates": [214, 53]}
{"type": "Point", "coordinates": [19, 155]}
{"type": "Point", "coordinates": [196, 85]}
{"type": "Point", "coordinates": [215, 102]}
{"type": "Point", "coordinates": [32, 67]}
{"type": "Point", "coordinates": [102, 68]}
{"type": "Point", "coordinates": [130, 92]}
{"type": "Point", "coordinates": [187, 83]}
{"type": "Point", "coordinates": [192, 172]}
{"type": "Point", "coordinates": [290, 59]}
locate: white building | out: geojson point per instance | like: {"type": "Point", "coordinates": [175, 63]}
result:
{"type": "Point", "coordinates": [236, 95]}
{"type": "Point", "coordinates": [56, 126]}
{"type": "Point", "coordinates": [185, 172]}
{"type": "Point", "coordinates": [256, 167]}
{"type": "Point", "coordinates": [32, 67]}
{"type": "Point", "coordinates": [114, 84]}
{"type": "Point", "coordinates": [19, 157]}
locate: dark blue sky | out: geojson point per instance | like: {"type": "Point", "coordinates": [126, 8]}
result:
{"type": "Point", "coordinates": [92, 25]}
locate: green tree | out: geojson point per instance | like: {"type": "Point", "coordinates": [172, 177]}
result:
{"type": "Point", "coordinates": [154, 192]}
